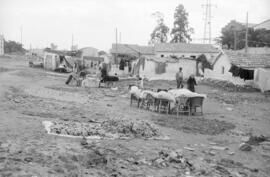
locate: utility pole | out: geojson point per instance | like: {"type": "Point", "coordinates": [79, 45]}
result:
{"type": "Point", "coordinates": [21, 29]}
{"type": "Point", "coordinates": [235, 40]}
{"type": "Point", "coordinates": [116, 51]}
{"type": "Point", "coordinates": [246, 41]}
{"type": "Point", "coordinates": [72, 42]}
{"type": "Point", "coordinates": [120, 37]}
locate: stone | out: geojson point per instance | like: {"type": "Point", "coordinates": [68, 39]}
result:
{"type": "Point", "coordinates": [173, 155]}
{"type": "Point", "coordinates": [84, 141]}
{"type": "Point", "coordinates": [219, 148]}
{"type": "Point", "coordinates": [159, 161]}
{"type": "Point", "coordinates": [231, 153]}
{"type": "Point", "coordinates": [212, 152]}
{"type": "Point", "coordinates": [245, 147]}
{"type": "Point", "coordinates": [189, 148]}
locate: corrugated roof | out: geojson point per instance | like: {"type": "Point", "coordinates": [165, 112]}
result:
{"type": "Point", "coordinates": [132, 49]}
{"type": "Point", "coordinates": [185, 48]}
{"type": "Point", "coordinates": [249, 60]}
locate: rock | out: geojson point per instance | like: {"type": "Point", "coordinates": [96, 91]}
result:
{"type": "Point", "coordinates": [231, 153]}
{"type": "Point", "coordinates": [219, 148]}
{"type": "Point", "coordinates": [84, 141]}
{"type": "Point", "coordinates": [16, 100]}
{"type": "Point", "coordinates": [28, 159]}
{"type": "Point", "coordinates": [179, 152]}
{"type": "Point", "coordinates": [189, 148]}
{"type": "Point", "coordinates": [212, 152]}
{"type": "Point", "coordinates": [173, 154]}
{"type": "Point", "coordinates": [229, 109]}
{"type": "Point", "coordinates": [159, 161]}
{"type": "Point", "coordinates": [245, 147]}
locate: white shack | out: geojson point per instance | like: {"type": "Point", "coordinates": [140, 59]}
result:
{"type": "Point", "coordinates": [240, 68]}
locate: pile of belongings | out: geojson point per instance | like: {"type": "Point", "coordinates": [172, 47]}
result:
{"type": "Point", "coordinates": [90, 82]}
{"type": "Point", "coordinates": [170, 95]}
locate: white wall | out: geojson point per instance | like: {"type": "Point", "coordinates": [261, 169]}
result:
{"type": "Point", "coordinates": [216, 73]}
{"type": "Point", "coordinates": [189, 67]}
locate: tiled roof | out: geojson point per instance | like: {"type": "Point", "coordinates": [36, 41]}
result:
{"type": "Point", "coordinates": [167, 59]}
{"type": "Point", "coordinates": [249, 60]}
{"type": "Point", "coordinates": [132, 49]}
{"type": "Point", "coordinates": [185, 48]}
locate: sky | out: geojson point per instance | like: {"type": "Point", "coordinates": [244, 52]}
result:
{"type": "Point", "coordinates": [93, 23]}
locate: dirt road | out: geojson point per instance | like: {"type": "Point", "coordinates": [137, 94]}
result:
{"type": "Point", "coordinates": [205, 145]}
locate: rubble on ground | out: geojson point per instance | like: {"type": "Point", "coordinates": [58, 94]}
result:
{"type": "Point", "coordinates": [228, 86]}
{"type": "Point", "coordinates": [111, 128]}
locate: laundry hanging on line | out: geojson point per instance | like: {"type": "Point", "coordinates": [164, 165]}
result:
{"type": "Point", "coordinates": [245, 74]}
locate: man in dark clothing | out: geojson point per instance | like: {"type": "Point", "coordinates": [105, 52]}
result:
{"type": "Point", "coordinates": [191, 82]}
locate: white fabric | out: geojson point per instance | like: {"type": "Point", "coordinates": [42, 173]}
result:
{"type": "Point", "coordinates": [145, 92]}
{"type": "Point", "coordinates": [262, 79]}
{"type": "Point", "coordinates": [185, 92]}
{"type": "Point", "coordinates": [136, 91]}
{"type": "Point", "coordinates": [166, 95]}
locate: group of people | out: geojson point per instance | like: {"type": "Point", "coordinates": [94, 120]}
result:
{"type": "Point", "coordinates": [79, 74]}
{"type": "Point", "coordinates": [191, 82]}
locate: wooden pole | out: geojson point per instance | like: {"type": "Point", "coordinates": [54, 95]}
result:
{"type": "Point", "coordinates": [246, 41]}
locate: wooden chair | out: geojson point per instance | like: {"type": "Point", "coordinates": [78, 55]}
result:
{"type": "Point", "coordinates": [163, 105]}
{"type": "Point", "coordinates": [150, 102]}
{"type": "Point", "coordinates": [196, 102]}
{"type": "Point", "coordinates": [182, 105]}
{"type": "Point", "coordinates": [134, 97]}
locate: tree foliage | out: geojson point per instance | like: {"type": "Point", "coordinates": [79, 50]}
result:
{"type": "Point", "coordinates": [13, 47]}
{"type": "Point", "coordinates": [181, 31]}
{"type": "Point", "coordinates": [160, 33]}
{"type": "Point", "coordinates": [234, 32]}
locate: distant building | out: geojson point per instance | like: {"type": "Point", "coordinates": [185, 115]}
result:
{"type": "Point", "coordinates": [263, 25]}
{"type": "Point", "coordinates": [89, 52]}
{"type": "Point", "coordinates": [1, 45]}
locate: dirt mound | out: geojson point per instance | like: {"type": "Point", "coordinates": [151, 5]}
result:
{"type": "Point", "coordinates": [112, 128]}
{"type": "Point", "coordinates": [198, 125]}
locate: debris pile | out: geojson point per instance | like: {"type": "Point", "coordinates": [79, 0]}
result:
{"type": "Point", "coordinates": [76, 128]}
{"type": "Point", "coordinates": [112, 128]}
{"type": "Point", "coordinates": [167, 158]}
{"type": "Point", "coordinates": [126, 127]}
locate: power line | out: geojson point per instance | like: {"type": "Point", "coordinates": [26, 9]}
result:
{"type": "Point", "coordinates": [207, 35]}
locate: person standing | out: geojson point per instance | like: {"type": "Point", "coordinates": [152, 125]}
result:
{"type": "Point", "coordinates": [191, 82]}
{"type": "Point", "coordinates": [179, 78]}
